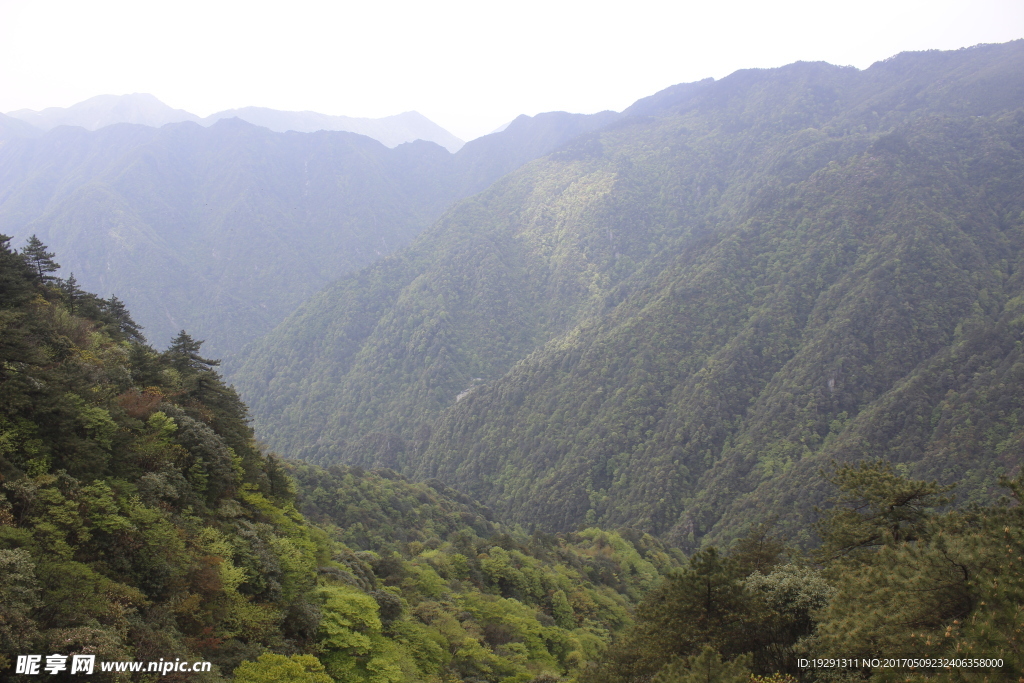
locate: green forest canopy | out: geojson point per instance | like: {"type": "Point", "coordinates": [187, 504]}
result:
{"type": "Point", "coordinates": [139, 520]}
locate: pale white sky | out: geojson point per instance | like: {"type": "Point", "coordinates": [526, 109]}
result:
{"type": "Point", "coordinates": [467, 65]}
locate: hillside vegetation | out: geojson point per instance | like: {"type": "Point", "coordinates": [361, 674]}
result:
{"type": "Point", "coordinates": [673, 323]}
{"type": "Point", "coordinates": [140, 521]}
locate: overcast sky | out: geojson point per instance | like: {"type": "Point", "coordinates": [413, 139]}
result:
{"type": "Point", "coordinates": [469, 66]}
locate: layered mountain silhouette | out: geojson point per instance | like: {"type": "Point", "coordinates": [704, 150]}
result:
{"type": "Point", "coordinates": [105, 110]}
{"type": "Point", "coordinates": [224, 230]}
{"type": "Point", "coordinates": [390, 130]}
{"type": "Point", "coordinates": [145, 109]}
{"type": "Point", "coordinates": [11, 127]}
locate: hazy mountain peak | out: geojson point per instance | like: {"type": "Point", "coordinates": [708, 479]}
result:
{"type": "Point", "coordinates": [11, 127]}
{"type": "Point", "coordinates": [145, 109]}
{"type": "Point", "coordinates": [389, 130]}
{"type": "Point", "coordinates": [668, 97]}
{"type": "Point", "coordinates": [104, 110]}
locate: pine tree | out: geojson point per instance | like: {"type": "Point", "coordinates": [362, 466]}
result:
{"type": "Point", "coordinates": [70, 289]}
{"type": "Point", "coordinates": [131, 330]}
{"type": "Point", "coordinates": [15, 276]}
{"type": "Point", "coordinates": [40, 259]}
{"type": "Point", "coordinates": [902, 570]}
{"type": "Point", "coordinates": [706, 667]}
{"type": "Point", "coordinates": [183, 354]}
{"type": "Point", "coordinates": [17, 342]}
{"type": "Point", "coordinates": [876, 506]}
{"type": "Point", "coordinates": [202, 383]}
{"type": "Point", "coordinates": [703, 605]}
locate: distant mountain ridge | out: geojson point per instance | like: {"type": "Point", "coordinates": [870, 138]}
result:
{"type": "Point", "coordinates": [225, 230]}
{"type": "Point", "coordinates": [105, 110]}
{"type": "Point", "coordinates": [389, 130]}
{"type": "Point", "coordinates": [146, 110]}
{"type": "Point", "coordinates": [11, 127]}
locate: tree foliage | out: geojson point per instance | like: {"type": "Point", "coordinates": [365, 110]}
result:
{"type": "Point", "coordinates": [140, 520]}
{"type": "Point", "coordinates": [40, 260]}
{"type": "Point", "coordinates": [946, 585]}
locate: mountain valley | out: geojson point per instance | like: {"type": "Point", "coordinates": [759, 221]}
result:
{"type": "Point", "coordinates": [225, 230]}
{"type": "Point", "coordinates": [676, 322]}
{"type": "Point", "coordinates": [725, 387]}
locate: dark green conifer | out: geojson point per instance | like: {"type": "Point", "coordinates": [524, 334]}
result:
{"type": "Point", "coordinates": [72, 292]}
{"type": "Point", "coordinates": [903, 572]}
{"type": "Point", "coordinates": [15, 275]}
{"type": "Point", "coordinates": [17, 345]}
{"type": "Point", "coordinates": [184, 355]}
{"type": "Point", "coordinates": [131, 330]}
{"type": "Point", "coordinates": [876, 506]}
{"type": "Point", "coordinates": [40, 259]}
{"type": "Point", "coordinates": [706, 667]}
{"type": "Point", "coordinates": [702, 605]}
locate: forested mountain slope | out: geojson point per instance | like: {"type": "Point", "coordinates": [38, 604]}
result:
{"type": "Point", "coordinates": [673, 322]}
{"type": "Point", "coordinates": [141, 525]}
{"type": "Point", "coordinates": [224, 230]}
{"type": "Point", "coordinates": [873, 311]}
{"type": "Point", "coordinates": [140, 522]}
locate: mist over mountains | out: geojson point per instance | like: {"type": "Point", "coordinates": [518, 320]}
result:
{"type": "Point", "coordinates": [390, 130]}
{"type": "Point", "coordinates": [105, 110]}
{"type": "Point", "coordinates": [224, 230]}
{"type": "Point", "coordinates": [145, 109]}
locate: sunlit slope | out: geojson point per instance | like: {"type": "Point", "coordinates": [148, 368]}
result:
{"type": "Point", "coordinates": [873, 310]}
{"type": "Point", "coordinates": [675, 321]}
{"type": "Point", "coordinates": [396, 343]}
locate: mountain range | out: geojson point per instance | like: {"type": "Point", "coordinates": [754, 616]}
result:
{"type": "Point", "coordinates": [145, 109]}
{"type": "Point", "coordinates": [676, 321]}
{"type": "Point", "coordinates": [670, 318]}
{"type": "Point", "coordinates": [224, 230]}
{"type": "Point", "coordinates": [695, 391]}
